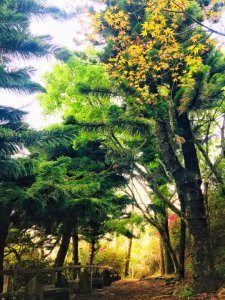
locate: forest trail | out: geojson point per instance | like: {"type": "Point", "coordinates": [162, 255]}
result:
{"type": "Point", "coordinates": [145, 289]}
{"type": "Point", "coordinates": [129, 289]}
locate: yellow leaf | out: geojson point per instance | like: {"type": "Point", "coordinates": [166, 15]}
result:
{"type": "Point", "coordinates": [144, 33]}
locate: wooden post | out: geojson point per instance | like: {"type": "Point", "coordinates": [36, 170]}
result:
{"type": "Point", "coordinates": [85, 282]}
{"type": "Point", "coordinates": [97, 279]}
{"type": "Point", "coordinates": [7, 286]}
{"type": "Point", "coordinates": [7, 282]}
{"type": "Point", "coordinates": [33, 289]}
{"type": "Point", "coordinates": [107, 279]}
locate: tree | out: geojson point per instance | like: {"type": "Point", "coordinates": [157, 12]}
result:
{"type": "Point", "coordinates": [127, 139]}
{"type": "Point", "coordinates": [164, 62]}
{"type": "Point", "coordinates": [75, 189]}
{"type": "Point", "coordinates": [17, 172]}
{"type": "Point", "coordinates": [18, 42]}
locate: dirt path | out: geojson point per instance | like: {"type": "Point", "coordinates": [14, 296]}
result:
{"type": "Point", "coordinates": [145, 289]}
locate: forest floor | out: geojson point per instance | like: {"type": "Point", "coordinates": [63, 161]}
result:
{"type": "Point", "coordinates": [145, 289]}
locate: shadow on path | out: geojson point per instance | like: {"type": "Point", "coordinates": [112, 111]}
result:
{"type": "Point", "coordinates": [144, 289]}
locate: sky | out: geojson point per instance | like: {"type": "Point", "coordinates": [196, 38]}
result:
{"type": "Point", "coordinates": [63, 33]}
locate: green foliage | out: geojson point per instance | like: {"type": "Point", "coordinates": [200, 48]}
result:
{"type": "Point", "coordinates": [76, 185]}
{"type": "Point", "coordinates": [74, 86]}
{"type": "Point", "coordinates": [110, 257]}
{"type": "Point", "coordinates": [125, 226]}
{"type": "Point", "coordinates": [15, 136]}
{"type": "Point", "coordinates": [217, 225]}
{"type": "Point", "coordinates": [11, 194]}
{"type": "Point", "coordinates": [20, 244]}
{"type": "Point", "coordinates": [220, 269]}
{"type": "Point", "coordinates": [17, 41]}
{"type": "Point", "coordinates": [185, 293]}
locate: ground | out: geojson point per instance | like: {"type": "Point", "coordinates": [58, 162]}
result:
{"type": "Point", "coordinates": [145, 289]}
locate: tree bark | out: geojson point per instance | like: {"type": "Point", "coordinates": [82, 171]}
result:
{"type": "Point", "coordinates": [4, 228]}
{"type": "Point", "coordinates": [169, 267]}
{"type": "Point", "coordinates": [162, 261]}
{"type": "Point", "coordinates": [64, 245]}
{"type": "Point", "coordinates": [188, 182]}
{"type": "Point", "coordinates": [203, 269]}
{"type": "Point", "coordinates": [182, 248]}
{"type": "Point", "coordinates": [182, 243]}
{"type": "Point", "coordinates": [127, 265]}
{"type": "Point", "coordinates": [75, 246]}
{"type": "Point", "coordinates": [170, 259]}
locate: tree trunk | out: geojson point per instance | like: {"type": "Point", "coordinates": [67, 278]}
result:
{"type": "Point", "coordinates": [188, 182]}
{"type": "Point", "coordinates": [127, 265]}
{"type": "Point", "coordinates": [182, 244]}
{"type": "Point", "coordinates": [64, 245]}
{"type": "Point", "coordinates": [169, 268]}
{"type": "Point", "coordinates": [182, 247]}
{"type": "Point", "coordinates": [162, 261]}
{"type": "Point", "coordinates": [75, 246]}
{"type": "Point", "coordinates": [206, 190]}
{"type": "Point", "coordinates": [92, 252]}
{"type": "Point", "coordinates": [170, 259]}
{"type": "Point", "coordinates": [203, 269]}
{"type": "Point", "coordinates": [4, 228]}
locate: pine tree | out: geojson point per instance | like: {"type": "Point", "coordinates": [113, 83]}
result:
{"type": "Point", "coordinates": [18, 43]}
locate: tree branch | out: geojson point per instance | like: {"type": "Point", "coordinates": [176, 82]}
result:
{"type": "Point", "coordinates": [212, 166]}
{"type": "Point", "coordinates": [154, 186]}
{"type": "Point", "coordinates": [193, 19]}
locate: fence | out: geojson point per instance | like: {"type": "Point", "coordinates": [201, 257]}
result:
{"type": "Point", "coordinates": [33, 284]}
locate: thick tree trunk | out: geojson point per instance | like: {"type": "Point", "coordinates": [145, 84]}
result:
{"type": "Point", "coordinates": [4, 228]}
{"type": "Point", "coordinates": [3, 236]}
{"type": "Point", "coordinates": [203, 264]}
{"type": "Point", "coordinates": [188, 182]}
{"type": "Point", "coordinates": [64, 245]}
{"type": "Point", "coordinates": [75, 246]}
{"type": "Point", "coordinates": [203, 269]}
{"type": "Point", "coordinates": [127, 265]}
{"type": "Point", "coordinates": [63, 248]}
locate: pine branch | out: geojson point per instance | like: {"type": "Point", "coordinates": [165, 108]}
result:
{"type": "Point", "coordinates": [154, 186]}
